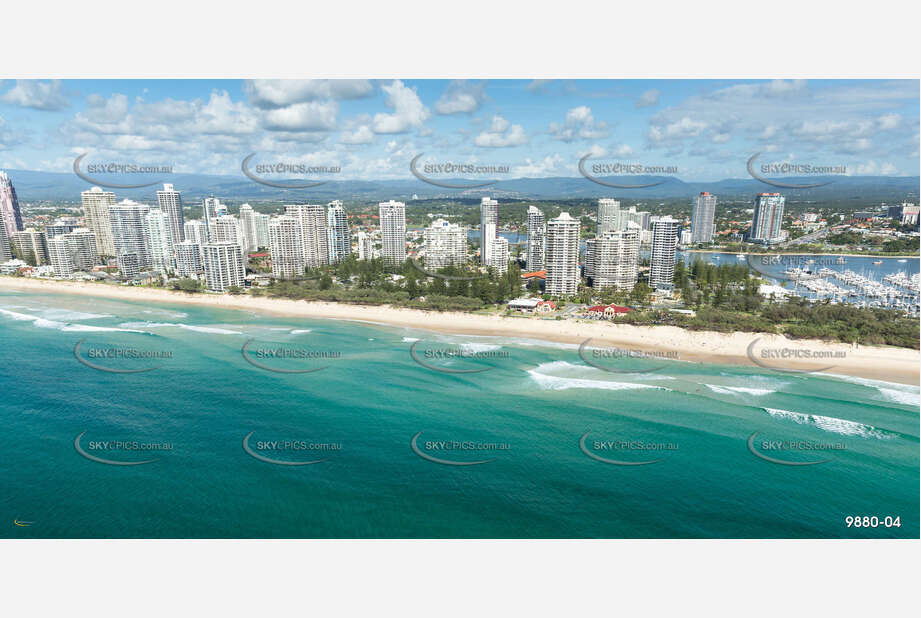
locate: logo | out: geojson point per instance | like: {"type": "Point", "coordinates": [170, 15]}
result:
{"type": "Point", "coordinates": [109, 446]}
{"type": "Point", "coordinates": [614, 169]}
{"type": "Point", "coordinates": [614, 462]}
{"type": "Point", "coordinates": [23, 524]}
{"type": "Point", "coordinates": [448, 168]}
{"type": "Point", "coordinates": [450, 353]}
{"type": "Point", "coordinates": [118, 168]}
{"type": "Point", "coordinates": [284, 353]}
{"type": "Point", "coordinates": [616, 353]}
{"type": "Point", "coordinates": [802, 169]}
{"type": "Point", "coordinates": [789, 354]}
{"type": "Point", "coordinates": [118, 353]}
{"type": "Point", "coordinates": [278, 446]}
{"type": "Point", "coordinates": [285, 168]}
{"type": "Point", "coordinates": [445, 446]}
{"type": "Point", "coordinates": [778, 445]}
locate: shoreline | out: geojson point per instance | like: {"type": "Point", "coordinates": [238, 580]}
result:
{"type": "Point", "coordinates": [856, 255]}
{"type": "Point", "coordinates": [888, 364]}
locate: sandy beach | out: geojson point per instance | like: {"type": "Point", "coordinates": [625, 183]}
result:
{"type": "Point", "coordinates": [770, 351]}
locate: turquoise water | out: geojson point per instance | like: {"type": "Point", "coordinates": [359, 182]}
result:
{"type": "Point", "coordinates": [532, 404]}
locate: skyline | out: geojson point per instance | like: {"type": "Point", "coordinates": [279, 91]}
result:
{"type": "Point", "coordinates": [372, 129]}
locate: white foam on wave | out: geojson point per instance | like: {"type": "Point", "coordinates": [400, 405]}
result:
{"type": "Point", "coordinates": [830, 423]}
{"type": "Point", "coordinates": [729, 390]}
{"type": "Point", "coordinates": [904, 394]}
{"type": "Point", "coordinates": [214, 330]}
{"type": "Point", "coordinates": [475, 348]}
{"type": "Point", "coordinates": [410, 339]}
{"type": "Point", "coordinates": [41, 322]}
{"type": "Point", "coordinates": [541, 374]}
{"type": "Point", "coordinates": [300, 331]}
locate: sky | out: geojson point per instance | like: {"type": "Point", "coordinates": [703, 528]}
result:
{"type": "Point", "coordinates": [372, 129]}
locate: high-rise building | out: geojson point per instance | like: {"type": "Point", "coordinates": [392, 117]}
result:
{"type": "Point", "coordinates": [608, 217]}
{"type": "Point", "coordinates": [227, 228]}
{"type": "Point", "coordinates": [211, 209]}
{"type": "Point", "coordinates": [261, 223]}
{"type": "Point", "coordinates": [562, 258]}
{"type": "Point", "coordinates": [662, 255]}
{"type": "Point", "coordinates": [82, 245]}
{"type": "Point", "coordinates": [59, 256]}
{"type": "Point", "coordinates": [6, 244]}
{"type": "Point", "coordinates": [702, 228]}
{"type": "Point", "coordinates": [910, 214]}
{"type": "Point", "coordinates": [224, 266]}
{"type": "Point", "coordinates": [365, 246]}
{"type": "Point", "coordinates": [57, 228]}
{"type": "Point", "coordinates": [196, 231]}
{"type": "Point", "coordinates": [248, 223]}
{"type": "Point", "coordinates": [312, 219]}
{"type": "Point", "coordinates": [626, 217]}
{"type": "Point", "coordinates": [393, 232]}
{"type": "Point", "coordinates": [445, 245]}
{"type": "Point", "coordinates": [188, 259]}
{"type": "Point", "coordinates": [339, 240]}
{"type": "Point", "coordinates": [489, 214]}
{"type": "Point", "coordinates": [768, 218]}
{"type": "Point", "coordinates": [488, 233]}
{"type": "Point", "coordinates": [159, 239]}
{"type": "Point", "coordinates": [31, 246]}
{"type": "Point", "coordinates": [498, 254]}
{"type": "Point", "coordinates": [611, 259]}
{"type": "Point", "coordinates": [286, 246]}
{"type": "Point", "coordinates": [129, 231]}
{"type": "Point", "coordinates": [170, 203]}
{"type": "Point", "coordinates": [537, 238]}
{"type": "Point", "coordinates": [96, 204]}
{"type": "Point", "coordinates": [129, 267]}
{"type": "Point", "coordinates": [9, 206]}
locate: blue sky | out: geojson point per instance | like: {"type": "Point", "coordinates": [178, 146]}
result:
{"type": "Point", "coordinates": [373, 128]}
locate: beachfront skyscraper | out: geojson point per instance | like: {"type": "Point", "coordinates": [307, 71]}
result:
{"type": "Point", "coordinates": [537, 238]}
{"type": "Point", "coordinates": [339, 239]}
{"type": "Point", "coordinates": [608, 216]}
{"type": "Point", "coordinates": [662, 255]}
{"type": "Point", "coordinates": [312, 219]}
{"type": "Point", "coordinates": [286, 246]}
{"type": "Point", "coordinates": [562, 259]}
{"type": "Point", "coordinates": [445, 245]}
{"type": "Point", "coordinates": [6, 246]}
{"type": "Point", "coordinates": [261, 223]}
{"type": "Point", "coordinates": [129, 233]}
{"type": "Point", "coordinates": [248, 224]}
{"type": "Point", "coordinates": [72, 252]}
{"type": "Point", "coordinates": [224, 266]}
{"type": "Point", "coordinates": [227, 228]}
{"type": "Point", "coordinates": [767, 220]}
{"type": "Point", "coordinates": [31, 245]}
{"type": "Point", "coordinates": [9, 206]}
{"type": "Point", "coordinates": [611, 259]}
{"type": "Point", "coordinates": [489, 213]}
{"type": "Point", "coordinates": [393, 232]}
{"type": "Point", "coordinates": [188, 259]}
{"type": "Point", "coordinates": [96, 203]}
{"type": "Point", "coordinates": [170, 203]}
{"type": "Point", "coordinates": [159, 239]}
{"type": "Point", "coordinates": [702, 228]}
{"type": "Point", "coordinates": [498, 254]}
{"type": "Point", "coordinates": [365, 246]}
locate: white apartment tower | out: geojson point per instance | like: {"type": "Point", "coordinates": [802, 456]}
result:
{"type": "Point", "coordinates": [702, 228]}
{"type": "Point", "coordinates": [286, 246]}
{"type": "Point", "coordinates": [393, 232]}
{"type": "Point", "coordinates": [248, 223]}
{"type": "Point", "coordinates": [224, 266]}
{"type": "Point", "coordinates": [562, 258]}
{"type": "Point", "coordinates": [537, 238]}
{"type": "Point", "coordinates": [159, 239]}
{"type": "Point", "coordinates": [498, 254]}
{"type": "Point", "coordinates": [445, 245]}
{"type": "Point", "coordinates": [227, 228]}
{"type": "Point", "coordinates": [611, 259]}
{"type": "Point", "coordinates": [489, 214]}
{"type": "Point", "coordinates": [365, 246]}
{"type": "Point", "coordinates": [59, 256]}
{"type": "Point", "coordinates": [129, 234]}
{"type": "Point", "coordinates": [170, 203]}
{"type": "Point", "coordinates": [312, 219]}
{"type": "Point", "coordinates": [339, 239]}
{"type": "Point", "coordinates": [767, 220]}
{"type": "Point", "coordinates": [188, 259]}
{"type": "Point", "coordinates": [96, 203]}
{"type": "Point", "coordinates": [608, 217]}
{"type": "Point", "coordinates": [662, 255]}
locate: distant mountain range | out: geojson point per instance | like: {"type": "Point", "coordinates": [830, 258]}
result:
{"type": "Point", "coordinates": [36, 186]}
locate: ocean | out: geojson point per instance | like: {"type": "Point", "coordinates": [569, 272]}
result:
{"type": "Point", "coordinates": [409, 434]}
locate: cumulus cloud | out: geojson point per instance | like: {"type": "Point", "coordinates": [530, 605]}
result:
{"type": "Point", "coordinates": [648, 98]}
{"type": "Point", "coordinates": [310, 116]}
{"type": "Point", "coordinates": [361, 135]}
{"type": "Point", "coordinates": [271, 93]}
{"type": "Point", "coordinates": [579, 124]}
{"type": "Point", "coordinates": [36, 95]}
{"type": "Point", "coordinates": [501, 134]}
{"type": "Point", "coordinates": [461, 97]}
{"type": "Point", "coordinates": [408, 110]}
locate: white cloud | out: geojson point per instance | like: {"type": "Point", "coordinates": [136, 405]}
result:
{"type": "Point", "coordinates": [269, 93]}
{"type": "Point", "coordinates": [37, 95]}
{"type": "Point", "coordinates": [579, 124]}
{"type": "Point", "coordinates": [648, 99]}
{"type": "Point", "coordinates": [361, 135]}
{"type": "Point", "coordinates": [408, 110]}
{"type": "Point", "coordinates": [460, 97]}
{"type": "Point", "coordinates": [551, 165]}
{"type": "Point", "coordinates": [501, 134]}
{"type": "Point", "coordinates": [309, 116]}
